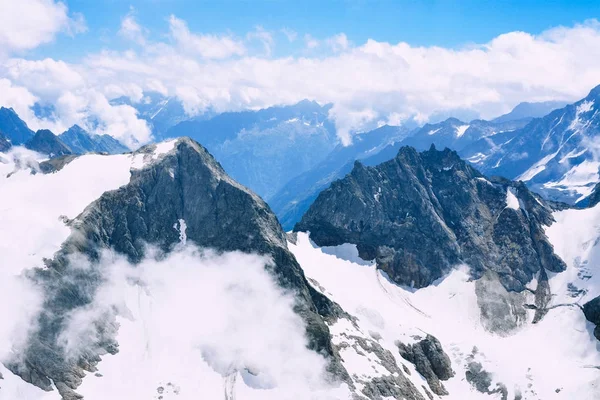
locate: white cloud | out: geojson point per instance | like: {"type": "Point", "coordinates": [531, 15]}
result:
{"type": "Point", "coordinates": [310, 42]}
{"type": "Point", "coordinates": [369, 82]}
{"type": "Point", "coordinates": [18, 98]}
{"type": "Point", "coordinates": [265, 38]}
{"type": "Point", "coordinates": [197, 319]}
{"type": "Point", "coordinates": [338, 42]}
{"type": "Point", "coordinates": [20, 303]}
{"type": "Point", "coordinates": [290, 34]}
{"type": "Point", "coordinates": [207, 46]}
{"type": "Point", "coordinates": [25, 24]}
{"type": "Point", "coordinates": [131, 29]}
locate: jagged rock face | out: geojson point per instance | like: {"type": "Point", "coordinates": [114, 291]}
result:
{"type": "Point", "coordinates": [81, 142]}
{"type": "Point", "coordinates": [186, 184]}
{"type": "Point", "coordinates": [431, 362]}
{"type": "Point", "coordinates": [14, 128]}
{"type": "Point", "coordinates": [421, 214]}
{"type": "Point", "coordinates": [294, 199]}
{"type": "Point", "coordinates": [4, 142]}
{"type": "Point", "coordinates": [46, 142]}
{"type": "Point", "coordinates": [591, 310]}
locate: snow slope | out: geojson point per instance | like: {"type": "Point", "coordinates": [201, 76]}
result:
{"type": "Point", "coordinates": [553, 359]}
{"type": "Point", "coordinates": [36, 206]}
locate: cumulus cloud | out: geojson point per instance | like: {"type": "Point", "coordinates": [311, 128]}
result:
{"type": "Point", "coordinates": [131, 29]}
{"type": "Point", "coordinates": [201, 321]}
{"type": "Point", "coordinates": [207, 46]}
{"type": "Point", "coordinates": [74, 97]}
{"type": "Point", "coordinates": [264, 37]}
{"type": "Point", "coordinates": [310, 42]}
{"type": "Point", "coordinates": [20, 303]}
{"type": "Point", "coordinates": [26, 24]}
{"type": "Point", "coordinates": [290, 34]}
{"type": "Point", "coordinates": [369, 84]}
{"type": "Point", "coordinates": [338, 42]}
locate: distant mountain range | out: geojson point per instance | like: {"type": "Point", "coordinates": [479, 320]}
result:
{"type": "Point", "coordinates": [14, 131]}
{"type": "Point", "coordinates": [556, 155]}
{"type": "Point", "coordinates": [265, 149]}
{"type": "Point", "coordinates": [289, 154]}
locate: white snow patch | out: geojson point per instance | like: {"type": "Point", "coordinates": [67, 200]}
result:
{"type": "Point", "coordinates": [291, 120]}
{"type": "Point", "coordinates": [511, 199]}
{"type": "Point", "coordinates": [378, 194]}
{"type": "Point", "coordinates": [553, 354]}
{"type": "Point", "coordinates": [536, 168]}
{"type": "Point", "coordinates": [572, 154]}
{"type": "Point", "coordinates": [33, 207]}
{"type": "Point", "coordinates": [580, 179]}
{"type": "Point", "coordinates": [163, 148]}
{"type": "Point", "coordinates": [575, 237]}
{"type": "Point", "coordinates": [477, 158]}
{"type": "Point", "coordinates": [182, 231]}
{"type": "Point", "coordinates": [460, 130]}
{"type": "Point", "coordinates": [433, 131]}
{"type": "Point", "coordinates": [585, 106]}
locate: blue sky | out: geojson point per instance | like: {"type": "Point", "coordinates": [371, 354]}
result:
{"type": "Point", "coordinates": [420, 23]}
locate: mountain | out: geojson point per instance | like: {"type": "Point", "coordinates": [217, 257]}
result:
{"type": "Point", "coordinates": [420, 214]}
{"type": "Point", "coordinates": [14, 128]}
{"type": "Point", "coordinates": [265, 149]}
{"type": "Point", "coordinates": [47, 143]}
{"type": "Point", "coordinates": [155, 274]}
{"type": "Point", "coordinates": [476, 285]}
{"type": "Point", "coordinates": [555, 155]}
{"type": "Point", "coordinates": [528, 111]}
{"type": "Point", "coordinates": [82, 142]}
{"type": "Point", "coordinates": [163, 195]}
{"type": "Point", "coordinates": [293, 199]}
{"type": "Point", "coordinates": [4, 143]}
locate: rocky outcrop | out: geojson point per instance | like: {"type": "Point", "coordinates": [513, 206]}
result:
{"type": "Point", "coordinates": [46, 142]}
{"type": "Point", "coordinates": [4, 142]}
{"type": "Point", "coordinates": [185, 184]}
{"type": "Point", "coordinates": [591, 311]}
{"type": "Point", "coordinates": [13, 127]}
{"type": "Point", "coordinates": [421, 214]}
{"type": "Point", "coordinates": [430, 360]}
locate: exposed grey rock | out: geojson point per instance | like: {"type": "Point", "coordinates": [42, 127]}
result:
{"type": "Point", "coordinates": [48, 143]}
{"type": "Point", "coordinates": [502, 311]}
{"type": "Point", "coordinates": [481, 380]}
{"type": "Point", "coordinates": [421, 214]}
{"type": "Point", "coordinates": [591, 311]}
{"type": "Point", "coordinates": [390, 386]}
{"type": "Point", "coordinates": [396, 384]}
{"type": "Point", "coordinates": [430, 360]}
{"type": "Point", "coordinates": [543, 296]}
{"type": "Point", "coordinates": [55, 164]}
{"type": "Point", "coordinates": [296, 196]}
{"type": "Point", "coordinates": [187, 184]}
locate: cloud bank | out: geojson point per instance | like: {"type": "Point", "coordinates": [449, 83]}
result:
{"type": "Point", "coordinates": [369, 83]}
{"type": "Point", "coordinates": [200, 321]}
